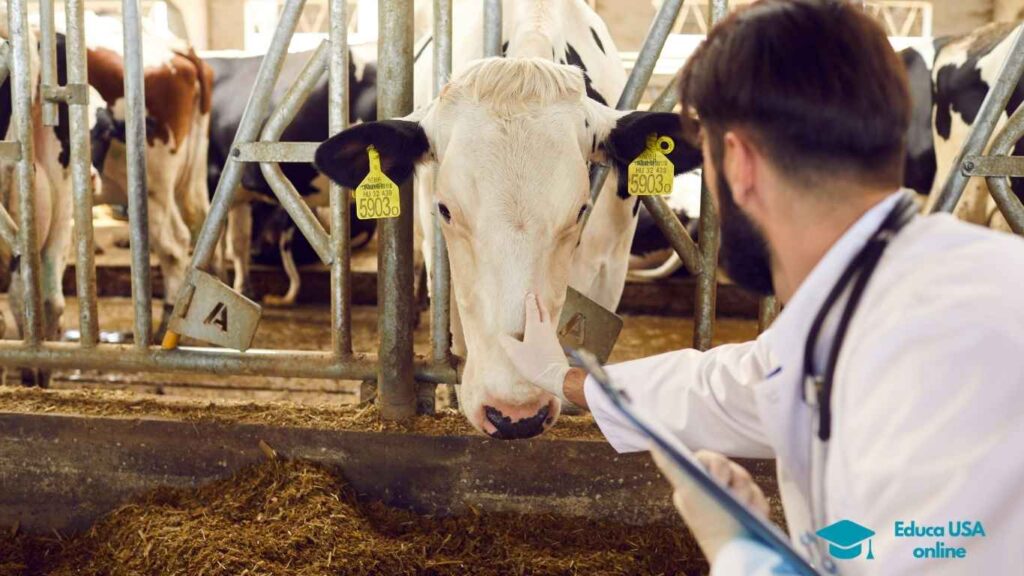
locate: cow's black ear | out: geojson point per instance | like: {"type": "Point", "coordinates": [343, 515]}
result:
{"type": "Point", "coordinates": [629, 138]}
{"type": "Point", "coordinates": [401, 144]}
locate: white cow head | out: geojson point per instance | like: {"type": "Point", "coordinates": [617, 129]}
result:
{"type": "Point", "coordinates": [512, 140]}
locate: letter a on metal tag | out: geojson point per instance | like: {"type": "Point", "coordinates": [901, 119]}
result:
{"type": "Point", "coordinates": [218, 315]}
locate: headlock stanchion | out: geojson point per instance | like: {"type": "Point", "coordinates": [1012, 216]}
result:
{"type": "Point", "coordinates": [395, 367]}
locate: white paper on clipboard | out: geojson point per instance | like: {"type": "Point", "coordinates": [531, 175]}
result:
{"type": "Point", "coordinates": [757, 528]}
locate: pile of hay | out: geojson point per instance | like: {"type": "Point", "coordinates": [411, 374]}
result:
{"type": "Point", "coordinates": [297, 518]}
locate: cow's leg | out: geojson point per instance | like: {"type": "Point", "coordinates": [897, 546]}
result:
{"type": "Point", "coordinates": [294, 279]}
{"type": "Point", "coordinates": [169, 240]}
{"type": "Point", "coordinates": [240, 245]}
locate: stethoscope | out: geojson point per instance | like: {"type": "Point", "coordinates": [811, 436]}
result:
{"type": "Point", "coordinates": [818, 388]}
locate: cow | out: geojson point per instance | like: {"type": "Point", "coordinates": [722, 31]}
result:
{"type": "Point", "coordinates": [949, 79]}
{"type": "Point", "coordinates": [511, 140]}
{"type": "Point", "coordinates": [651, 255]}
{"type": "Point", "coordinates": [234, 77]}
{"type": "Point", "coordinates": [178, 87]}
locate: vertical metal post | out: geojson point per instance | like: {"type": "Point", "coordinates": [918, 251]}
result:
{"type": "Point", "coordinates": [48, 58]}
{"type": "Point", "coordinates": [249, 126]}
{"type": "Point", "coordinates": [988, 116]}
{"type": "Point", "coordinates": [440, 306]}
{"type": "Point", "coordinates": [135, 141]}
{"type": "Point", "coordinates": [338, 110]}
{"type": "Point", "coordinates": [492, 28]}
{"type": "Point", "coordinates": [21, 97]}
{"type": "Point", "coordinates": [707, 280]}
{"type": "Point", "coordinates": [768, 309]}
{"type": "Point", "coordinates": [81, 178]}
{"type": "Point", "coordinates": [395, 381]}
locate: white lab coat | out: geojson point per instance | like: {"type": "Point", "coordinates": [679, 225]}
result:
{"type": "Point", "coordinates": [928, 402]}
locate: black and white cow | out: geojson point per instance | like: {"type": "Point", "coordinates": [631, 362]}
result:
{"type": "Point", "coordinates": [949, 79]}
{"type": "Point", "coordinates": [512, 140]}
{"type": "Point", "coordinates": [270, 228]}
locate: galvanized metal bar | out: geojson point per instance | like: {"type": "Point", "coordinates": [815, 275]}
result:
{"type": "Point", "coordinates": [999, 184]}
{"type": "Point", "coordinates": [280, 152]}
{"type": "Point", "coordinates": [220, 361]}
{"type": "Point", "coordinates": [492, 28]}
{"type": "Point", "coordinates": [338, 116]}
{"type": "Point", "coordinates": [279, 119]}
{"type": "Point", "coordinates": [767, 310]}
{"type": "Point", "coordinates": [441, 304]}
{"type": "Point", "coordinates": [138, 201]}
{"type": "Point", "coordinates": [21, 114]}
{"type": "Point", "coordinates": [395, 381]}
{"type": "Point", "coordinates": [674, 232]}
{"type": "Point", "coordinates": [668, 98]}
{"type": "Point", "coordinates": [985, 123]}
{"type": "Point", "coordinates": [9, 231]}
{"type": "Point", "coordinates": [48, 58]}
{"type": "Point", "coordinates": [81, 177]}
{"type": "Point", "coordinates": [707, 280]}
{"type": "Point", "coordinates": [256, 110]}
{"type": "Point", "coordinates": [640, 76]}
{"type": "Point", "coordinates": [1010, 166]}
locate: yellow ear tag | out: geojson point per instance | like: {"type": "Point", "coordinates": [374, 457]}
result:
{"type": "Point", "coordinates": [376, 196]}
{"type": "Point", "coordinates": [651, 173]}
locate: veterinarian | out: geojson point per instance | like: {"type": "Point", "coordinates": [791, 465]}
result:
{"type": "Point", "coordinates": [890, 389]}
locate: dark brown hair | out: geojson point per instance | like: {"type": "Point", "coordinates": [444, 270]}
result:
{"type": "Point", "coordinates": [815, 83]}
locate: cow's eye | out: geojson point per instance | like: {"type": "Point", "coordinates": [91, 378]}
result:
{"type": "Point", "coordinates": [583, 210]}
{"type": "Point", "coordinates": [444, 211]}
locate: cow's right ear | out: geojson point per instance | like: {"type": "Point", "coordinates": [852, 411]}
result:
{"type": "Point", "coordinates": [401, 144]}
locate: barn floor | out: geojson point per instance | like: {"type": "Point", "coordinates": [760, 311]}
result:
{"type": "Point", "coordinates": [307, 327]}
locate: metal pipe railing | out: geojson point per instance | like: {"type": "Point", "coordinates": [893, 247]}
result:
{"type": "Point", "coordinates": [81, 177]}
{"type": "Point", "coordinates": [48, 59]}
{"type": "Point", "coordinates": [999, 186]}
{"type": "Point", "coordinates": [138, 201]}
{"type": "Point", "coordinates": [28, 243]}
{"type": "Point", "coordinates": [707, 280]}
{"type": "Point", "coordinates": [279, 119]}
{"type": "Point", "coordinates": [492, 28]}
{"type": "Point", "coordinates": [396, 385]}
{"type": "Point", "coordinates": [985, 123]}
{"type": "Point", "coordinates": [256, 110]}
{"type": "Point", "coordinates": [338, 117]}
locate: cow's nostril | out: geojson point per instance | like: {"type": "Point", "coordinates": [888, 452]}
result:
{"type": "Point", "coordinates": [506, 429]}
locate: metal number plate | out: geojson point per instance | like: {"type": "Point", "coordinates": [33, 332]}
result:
{"type": "Point", "coordinates": [218, 315]}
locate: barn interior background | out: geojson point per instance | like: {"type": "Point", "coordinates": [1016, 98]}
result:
{"type": "Point", "coordinates": [184, 429]}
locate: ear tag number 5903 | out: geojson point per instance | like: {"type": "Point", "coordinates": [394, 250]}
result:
{"type": "Point", "coordinates": [651, 173]}
{"type": "Point", "coordinates": [377, 195]}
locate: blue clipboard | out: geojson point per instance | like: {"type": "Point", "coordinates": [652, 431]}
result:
{"type": "Point", "coordinates": [757, 529]}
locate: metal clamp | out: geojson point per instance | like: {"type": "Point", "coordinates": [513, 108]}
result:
{"type": "Point", "coordinates": [75, 94]}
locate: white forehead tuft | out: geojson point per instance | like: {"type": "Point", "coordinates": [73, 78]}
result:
{"type": "Point", "coordinates": [511, 85]}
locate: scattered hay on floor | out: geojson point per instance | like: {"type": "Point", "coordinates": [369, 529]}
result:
{"type": "Point", "coordinates": [346, 417]}
{"type": "Point", "coordinates": [297, 518]}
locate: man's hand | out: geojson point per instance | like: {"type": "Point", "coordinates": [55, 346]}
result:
{"type": "Point", "coordinates": [711, 525]}
{"type": "Point", "coordinates": [538, 358]}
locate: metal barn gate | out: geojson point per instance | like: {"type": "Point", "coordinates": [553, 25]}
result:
{"type": "Point", "coordinates": [405, 383]}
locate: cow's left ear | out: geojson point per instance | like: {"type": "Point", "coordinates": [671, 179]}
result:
{"type": "Point", "coordinates": [401, 144]}
{"type": "Point", "coordinates": [628, 138]}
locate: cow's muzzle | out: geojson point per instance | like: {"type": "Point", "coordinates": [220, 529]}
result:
{"type": "Point", "coordinates": [506, 429]}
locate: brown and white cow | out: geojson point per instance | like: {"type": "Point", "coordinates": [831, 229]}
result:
{"type": "Point", "coordinates": [512, 140]}
{"type": "Point", "coordinates": [178, 98]}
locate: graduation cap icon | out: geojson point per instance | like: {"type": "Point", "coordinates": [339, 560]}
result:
{"type": "Point", "coordinates": [845, 539]}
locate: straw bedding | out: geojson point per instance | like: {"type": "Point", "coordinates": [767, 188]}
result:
{"type": "Point", "coordinates": [297, 518]}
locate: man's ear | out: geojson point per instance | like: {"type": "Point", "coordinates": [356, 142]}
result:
{"type": "Point", "coordinates": [628, 138]}
{"type": "Point", "coordinates": [401, 144]}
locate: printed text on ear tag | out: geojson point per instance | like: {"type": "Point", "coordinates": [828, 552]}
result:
{"type": "Point", "coordinates": [376, 196]}
{"type": "Point", "coordinates": [650, 174]}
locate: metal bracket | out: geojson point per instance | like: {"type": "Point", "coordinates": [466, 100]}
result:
{"type": "Point", "coordinates": [588, 325]}
{"type": "Point", "coordinates": [1012, 166]}
{"type": "Point", "coordinates": [275, 152]}
{"type": "Point", "coordinates": [77, 94]}
{"type": "Point", "coordinates": [219, 315]}
{"type": "Point", "coordinates": [10, 150]}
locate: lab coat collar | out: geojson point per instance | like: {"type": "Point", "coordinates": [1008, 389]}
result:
{"type": "Point", "coordinates": [785, 417]}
